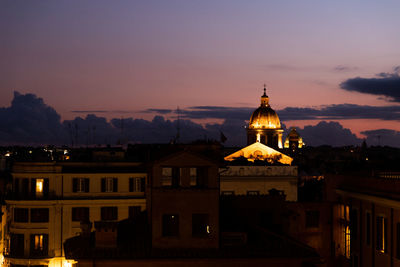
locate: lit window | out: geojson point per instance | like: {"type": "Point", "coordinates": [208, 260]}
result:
{"type": "Point", "coordinates": [347, 242]}
{"type": "Point", "coordinates": [39, 245]}
{"type": "Point", "coordinates": [381, 234]}
{"type": "Point", "coordinates": [39, 186]}
{"type": "Point", "coordinates": [38, 242]}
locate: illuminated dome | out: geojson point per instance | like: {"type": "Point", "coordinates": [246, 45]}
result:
{"type": "Point", "coordinates": [265, 126]}
{"type": "Point", "coordinates": [264, 117]}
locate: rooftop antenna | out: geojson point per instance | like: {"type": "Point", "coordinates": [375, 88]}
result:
{"type": "Point", "coordinates": [178, 134]}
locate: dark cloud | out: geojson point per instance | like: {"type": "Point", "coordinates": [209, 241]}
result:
{"type": "Point", "coordinates": [29, 120]}
{"type": "Point", "coordinates": [328, 133]}
{"type": "Point", "coordinates": [341, 112]}
{"type": "Point", "coordinates": [386, 85]}
{"type": "Point", "coordinates": [89, 111]}
{"type": "Point", "coordinates": [158, 111]}
{"type": "Point", "coordinates": [331, 112]}
{"type": "Point", "coordinates": [382, 137]}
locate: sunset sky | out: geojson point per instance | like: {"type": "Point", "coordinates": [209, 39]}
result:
{"type": "Point", "coordinates": [137, 58]}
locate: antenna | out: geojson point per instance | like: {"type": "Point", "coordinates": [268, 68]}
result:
{"type": "Point", "coordinates": [178, 134]}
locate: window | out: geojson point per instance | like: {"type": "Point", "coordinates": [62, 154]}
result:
{"type": "Point", "coordinates": [253, 193]}
{"type": "Point", "coordinates": [109, 213]}
{"type": "Point", "coordinates": [80, 214]}
{"type": "Point", "coordinates": [200, 225]}
{"type": "Point", "coordinates": [137, 184]}
{"type": "Point", "coordinates": [39, 187]}
{"type": "Point", "coordinates": [134, 211]}
{"type": "Point", "coordinates": [344, 215]}
{"type": "Point", "coordinates": [354, 224]}
{"type": "Point", "coordinates": [347, 237]}
{"type": "Point", "coordinates": [312, 218]}
{"type": "Point", "coordinates": [80, 185]}
{"type": "Point", "coordinates": [398, 240]}
{"type": "Point", "coordinates": [198, 176]}
{"type": "Point", "coordinates": [381, 234]}
{"type": "Point", "coordinates": [171, 176]}
{"type": "Point", "coordinates": [39, 215]}
{"type": "Point", "coordinates": [39, 245]}
{"type": "Point", "coordinates": [17, 245]}
{"type": "Point", "coordinates": [368, 228]}
{"type": "Point", "coordinates": [170, 225]}
{"type": "Point", "coordinates": [21, 215]}
{"type": "Point", "coordinates": [109, 184]}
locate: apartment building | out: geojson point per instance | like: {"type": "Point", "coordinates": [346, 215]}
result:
{"type": "Point", "coordinates": [50, 200]}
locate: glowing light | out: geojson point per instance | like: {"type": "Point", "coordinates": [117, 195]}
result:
{"type": "Point", "coordinates": [39, 185]}
{"type": "Point", "coordinates": [7, 154]}
{"type": "Point", "coordinates": [208, 229]}
{"type": "Point", "coordinates": [67, 264]}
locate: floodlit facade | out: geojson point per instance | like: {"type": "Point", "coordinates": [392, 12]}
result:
{"type": "Point", "coordinates": [49, 201]}
{"type": "Point", "coordinates": [259, 180]}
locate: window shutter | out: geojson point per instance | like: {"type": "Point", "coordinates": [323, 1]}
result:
{"type": "Point", "coordinates": [142, 184]}
{"type": "Point", "coordinates": [45, 244]}
{"type": "Point", "coordinates": [103, 184]}
{"type": "Point", "coordinates": [46, 187]}
{"type": "Point", "coordinates": [130, 184]}
{"type": "Point", "coordinates": [115, 184]}
{"type": "Point", "coordinates": [86, 185]}
{"type": "Point", "coordinates": [32, 248]}
{"type": "Point", "coordinates": [33, 187]}
{"type": "Point", "coordinates": [16, 186]}
{"type": "Point", "coordinates": [25, 187]}
{"type": "Point", "coordinates": [74, 184]}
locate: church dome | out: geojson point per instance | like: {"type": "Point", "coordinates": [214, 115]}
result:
{"type": "Point", "coordinates": [264, 117]}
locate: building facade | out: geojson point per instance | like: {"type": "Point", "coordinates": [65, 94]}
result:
{"type": "Point", "coordinates": [183, 202]}
{"type": "Point", "coordinates": [259, 180]}
{"type": "Point", "coordinates": [50, 200]}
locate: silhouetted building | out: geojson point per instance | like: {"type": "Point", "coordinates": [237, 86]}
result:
{"type": "Point", "coordinates": [183, 202]}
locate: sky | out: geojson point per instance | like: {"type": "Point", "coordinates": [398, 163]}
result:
{"type": "Point", "coordinates": [321, 60]}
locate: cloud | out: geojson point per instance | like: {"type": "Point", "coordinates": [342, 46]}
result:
{"type": "Point", "coordinates": [330, 112]}
{"type": "Point", "coordinates": [382, 137]}
{"type": "Point", "coordinates": [158, 111]}
{"type": "Point", "coordinates": [328, 133]}
{"type": "Point", "coordinates": [282, 67]}
{"type": "Point", "coordinates": [344, 68]}
{"type": "Point", "coordinates": [341, 112]}
{"type": "Point", "coordinates": [29, 121]}
{"type": "Point", "coordinates": [386, 84]}
{"type": "Point", "coordinates": [89, 111]}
